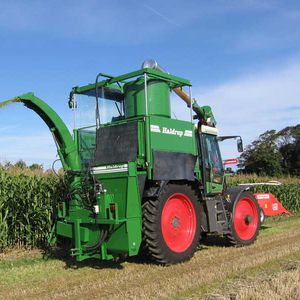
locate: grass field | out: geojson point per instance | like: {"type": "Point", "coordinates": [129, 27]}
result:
{"type": "Point", "coordinates": [268, 269]}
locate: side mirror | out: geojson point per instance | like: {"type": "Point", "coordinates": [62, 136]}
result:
{"type": "Point", "coordinates": [240, 147]}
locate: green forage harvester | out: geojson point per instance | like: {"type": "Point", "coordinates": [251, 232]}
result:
{"type": "Point", "coordinates": [139, 180]}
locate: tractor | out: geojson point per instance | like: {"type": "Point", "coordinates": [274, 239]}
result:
{"type": "Point", "coordinates": [138, 180]}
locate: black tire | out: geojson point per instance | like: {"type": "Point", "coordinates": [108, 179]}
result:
{"type": "Point", "coordinates": [244, 228]}
{"type": "Point", "coordinates": [156, 243]}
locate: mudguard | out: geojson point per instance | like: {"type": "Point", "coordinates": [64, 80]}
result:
{"type": "Point", "coordinates": [233, 193]}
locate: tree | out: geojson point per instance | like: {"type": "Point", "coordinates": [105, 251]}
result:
{"type": "Point", "coordinates": [274, 153]}
{"type": "Point", "coordinates": [20, 164]}
{"type": "Point", "coordinates": [289, 147]}
{"type": "Point", "coordinates": [263, 156]}
{"type": "Point", "coordinates": [35, 167]}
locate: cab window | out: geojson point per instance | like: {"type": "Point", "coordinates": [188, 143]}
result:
{"type": "Point", "coordinates": [213, 158]}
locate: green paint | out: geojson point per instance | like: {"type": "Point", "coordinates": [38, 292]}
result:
{"type": "Point", "coordinates": [172, 135]}
{"type": "Point", "coordinates": [158, 93]}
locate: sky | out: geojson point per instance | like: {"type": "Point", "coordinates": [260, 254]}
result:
{"type": "Point", "coordinates": [242, 57]}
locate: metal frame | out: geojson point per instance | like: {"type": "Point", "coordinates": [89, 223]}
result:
{"type": "Point", "coordinates": [174, 81]}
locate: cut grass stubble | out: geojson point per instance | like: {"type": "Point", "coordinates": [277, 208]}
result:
{"type": "Point", "coordinates": [209, 268]}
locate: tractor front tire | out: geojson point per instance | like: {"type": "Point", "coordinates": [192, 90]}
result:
{"type": "Point", "coordinates": [245, 220]}
{"type": "Point", "coordinates": [171, 225]}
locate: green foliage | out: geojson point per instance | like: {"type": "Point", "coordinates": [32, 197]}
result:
{"type": "Point", "coordinates": [34, 167]}
{"type": "Point", "coordinates": [262, 156]}
{"type": "Point", "coordinates": [6, 102]}
{"type": "Point", "coordinates": [289, 147]}
{"type": "Point", "coordinates": [274, 153]}
{"type": "Point", "coordinates": [26, 208]}
{"type": "Point", "coordinates": [21, 164]}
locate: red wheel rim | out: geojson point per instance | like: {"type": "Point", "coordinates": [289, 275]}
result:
{"type": "Point", "coordinates": [178, 222]}
{"type": "Point", "coordinates": [245, 218]}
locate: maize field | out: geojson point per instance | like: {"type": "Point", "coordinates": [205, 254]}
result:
{"type": "Point", "coordinates": [26, 208]}
{"type": "Point", "coordinates": [26, 200]}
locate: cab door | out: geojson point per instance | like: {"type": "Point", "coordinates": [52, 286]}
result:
{"type": "Point", "coordinates": [212, 165]}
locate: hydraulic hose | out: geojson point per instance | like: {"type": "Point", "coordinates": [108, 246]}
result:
{"type": "Point", "coordinates": [103, 236]}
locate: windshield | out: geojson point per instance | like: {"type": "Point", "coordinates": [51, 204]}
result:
{"type": "Point", "coordinates": [110, 107]}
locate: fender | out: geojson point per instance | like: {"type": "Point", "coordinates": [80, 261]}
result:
{"type": "Point", "coordinates": [235, 192]}
{"type": "Point", "coordinates": [232, 195]}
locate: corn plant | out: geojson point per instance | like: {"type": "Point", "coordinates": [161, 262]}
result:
{"type": "Point", "coordinates": [26, 208]}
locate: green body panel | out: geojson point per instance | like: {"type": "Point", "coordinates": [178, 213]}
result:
{"type": "Point", "coordinates": [172, 135]}
{"type": "Point", "coordinates": [158, 93]}
{"type": "Point", "coordinates": [123, 190]}
{"type": "Point", "coordinates": [67, 230]}
{"type": "Point", "coordinates": [214, 188]}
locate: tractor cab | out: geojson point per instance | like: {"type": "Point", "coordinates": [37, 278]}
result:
{"type": "Point", "coordinates": [108, 101]}
{"type": "Point", "coordinates": [92, 108]}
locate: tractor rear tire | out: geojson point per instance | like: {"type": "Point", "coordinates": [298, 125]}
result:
{"type": "Point", "coordinates": [245, 220]}
{"type": "Point", "coordinates": [171, 225]}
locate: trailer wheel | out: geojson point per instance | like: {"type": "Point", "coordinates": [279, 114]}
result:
{"type": "Point", "coordinates": [245, 220]}
{"type": "Point", "coordinates": [171, 229]}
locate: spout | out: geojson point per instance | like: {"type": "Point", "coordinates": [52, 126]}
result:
{"type": "Point", "coordinates": [152, 64]}
{"type": "Point", "coordinates": [64, 141]}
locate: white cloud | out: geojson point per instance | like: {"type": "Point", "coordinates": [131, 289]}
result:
{"type": "Point", "coordinates": [250, 105]}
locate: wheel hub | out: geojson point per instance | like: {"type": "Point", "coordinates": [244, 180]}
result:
{"type": "Point", "coordinates": [248, 219]}
{"type": "Point", "coordinates": [175, 222]}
